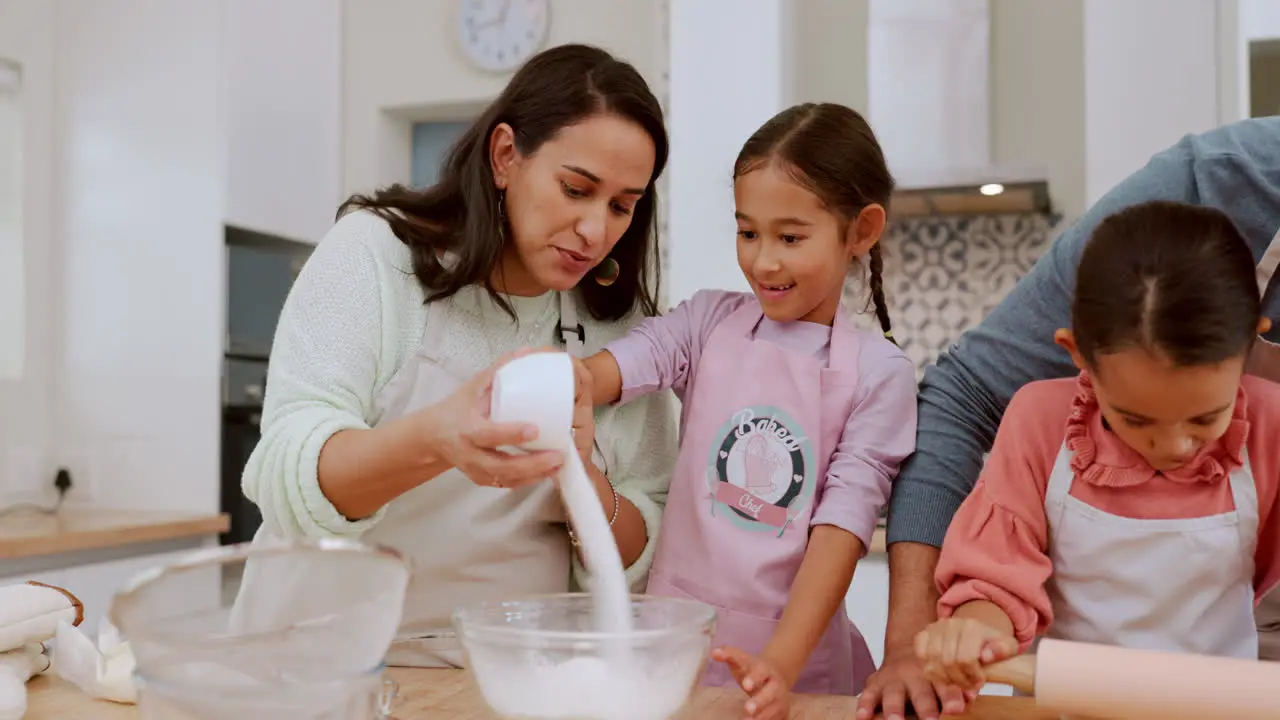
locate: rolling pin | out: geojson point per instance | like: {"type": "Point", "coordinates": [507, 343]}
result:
{"type": "Point", "coordinates": [1102, 681]}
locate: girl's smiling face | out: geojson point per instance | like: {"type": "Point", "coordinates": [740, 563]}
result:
{"type": "Point", "coordinates": [794, 252]}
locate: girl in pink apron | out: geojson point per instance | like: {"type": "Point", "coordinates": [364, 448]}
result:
{"type": "Point", "coordinates": [1133, 505]}
{"type": "Point", "coordinates": [793, 421]}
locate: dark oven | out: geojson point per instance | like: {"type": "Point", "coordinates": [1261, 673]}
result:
{"type": "Point", "coordinates": [260, 271]}
{"type": "Point", "coordinates": [243, 384]}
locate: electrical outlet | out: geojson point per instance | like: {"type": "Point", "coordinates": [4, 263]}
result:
{"type": "Point", "coordinates": [80, 465]}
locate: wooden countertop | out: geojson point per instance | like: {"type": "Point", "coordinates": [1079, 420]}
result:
{"type": "Point", "coordinates": [451, 695]}
{"type": "Point", "coordinates": [73, 529]}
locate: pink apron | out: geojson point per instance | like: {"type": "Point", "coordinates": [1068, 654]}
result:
{"type": "Point", "coordinates": [763, 426]}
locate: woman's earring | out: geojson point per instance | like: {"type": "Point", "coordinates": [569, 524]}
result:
{"type": "Point", "coordinates": [607, 272]}
{"type": "Point", "coordinates": [502, 214]}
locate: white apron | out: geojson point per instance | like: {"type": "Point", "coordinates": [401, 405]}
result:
{"type": "Point", "coordinates": [1183, 585]}
{"type": "Point", "coordinates": [467, 542]}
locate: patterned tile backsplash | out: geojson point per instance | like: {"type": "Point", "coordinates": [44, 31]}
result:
{"type": "Point", "coordinates": [944, 274]}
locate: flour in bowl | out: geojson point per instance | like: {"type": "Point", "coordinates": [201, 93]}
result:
{"type": "Point", "coordinates": [586, 688]}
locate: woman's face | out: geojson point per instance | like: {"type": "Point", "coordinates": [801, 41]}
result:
{"type": "Point", "coordinates": [569, 202]}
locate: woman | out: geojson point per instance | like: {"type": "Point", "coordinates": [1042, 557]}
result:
{"type": "Point", "coordinates": [540, 232]}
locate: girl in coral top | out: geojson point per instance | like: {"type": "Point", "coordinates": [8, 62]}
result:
{"type": "Point", "coordinates": [1133, 505]}
{"type": "Point", "coordinates": [794, 421]}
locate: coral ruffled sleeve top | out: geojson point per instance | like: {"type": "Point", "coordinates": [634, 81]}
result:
{"type": "Point", "coordinates": [996, 546]}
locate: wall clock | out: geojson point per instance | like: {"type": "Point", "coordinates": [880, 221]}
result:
{"type": "Point", "coordinates": [499, 35]}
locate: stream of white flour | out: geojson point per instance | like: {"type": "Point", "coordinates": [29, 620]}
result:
{"type": "Point", "coordinates": [539, 389]}
{"type": "Point", "coordinates": [608, 687]}
{"type": "Point", "coordinates": [609, 593]}
{"type": "Point", "coordinates": [613, 685]}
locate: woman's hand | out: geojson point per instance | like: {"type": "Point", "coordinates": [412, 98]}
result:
{"type": "Point", "coordinates": [955, 650]}
{"type": "Point", "coordinates": [462, 434]}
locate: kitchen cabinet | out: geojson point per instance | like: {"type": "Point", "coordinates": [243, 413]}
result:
{"type": "Point", "coordinates": [282, 80]}
{"type": "Point", "coordinates": [929, 87]}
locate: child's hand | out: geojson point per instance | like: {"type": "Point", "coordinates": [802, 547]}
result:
{"type": "Point", "coordinates": [770, 692]}
{"type": "Point", "coordinates": [584, 424]}
{"type": "Point", "coordinates": [954, 651]}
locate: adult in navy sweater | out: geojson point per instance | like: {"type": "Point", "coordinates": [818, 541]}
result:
{"type": "Point", "coordinates": [1235, 168]}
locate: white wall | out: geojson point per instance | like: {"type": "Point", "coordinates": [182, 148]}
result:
{"type": "Point", "coordinates": [1232, 62]}
{"type": "Point", "coordinates": [13, 292]}
{"type": "Point", "coordinates": [401, 63]}
{"type": "Point", "coordinates": [1145, 89]}
{"type": "Point", "coordinates": [282, 77]}
{"type": "Point", "coordinates": [718, 99]}
{"type": "Point", "coordinates": [26, 35]}
{"type": "Point", "coordinates": [149, 124]}
{"type": "Point", "coordinates": [830, 46]}
{"type": "Point", "coordinates": [929, 87]}
{"type": "Point", "coordinates": [1085, 89]}
{"type": "Point", "coordinates": [140, 158]}
{"type": "Point", "coordinates": [1037, 88]}
{"type": "Point", "coordinates": [1260, 19]}
{"type": "Point", "coordinates": [798, 52]}
{"type": "Point", "coordinates": [123, 202]}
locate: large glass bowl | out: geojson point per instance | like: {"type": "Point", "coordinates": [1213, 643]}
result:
{"type": "Point", "coordinates": [304, 637]}
{"type": "Point", "coordinates": [539, 658]}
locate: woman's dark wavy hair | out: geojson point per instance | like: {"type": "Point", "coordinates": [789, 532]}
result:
{"type": "Point", "coordinates": [461, 215]}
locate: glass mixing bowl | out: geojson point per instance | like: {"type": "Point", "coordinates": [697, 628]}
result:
{"type": "Point", "coordinates": [538, 658]}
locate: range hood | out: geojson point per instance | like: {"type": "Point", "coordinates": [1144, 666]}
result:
{"type": "Point", "coordinates": [987, 191]}
{"type": "Point", "coordinates": [929, 99]}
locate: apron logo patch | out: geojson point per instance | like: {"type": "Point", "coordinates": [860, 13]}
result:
{"type": "Point", "coordinates": [757, 474]}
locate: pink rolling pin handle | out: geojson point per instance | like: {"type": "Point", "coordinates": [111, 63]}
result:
{"type": "Point", "coordinates": [1018, 672]}
{"type": "Point", "coordinates": [1084, 679]}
